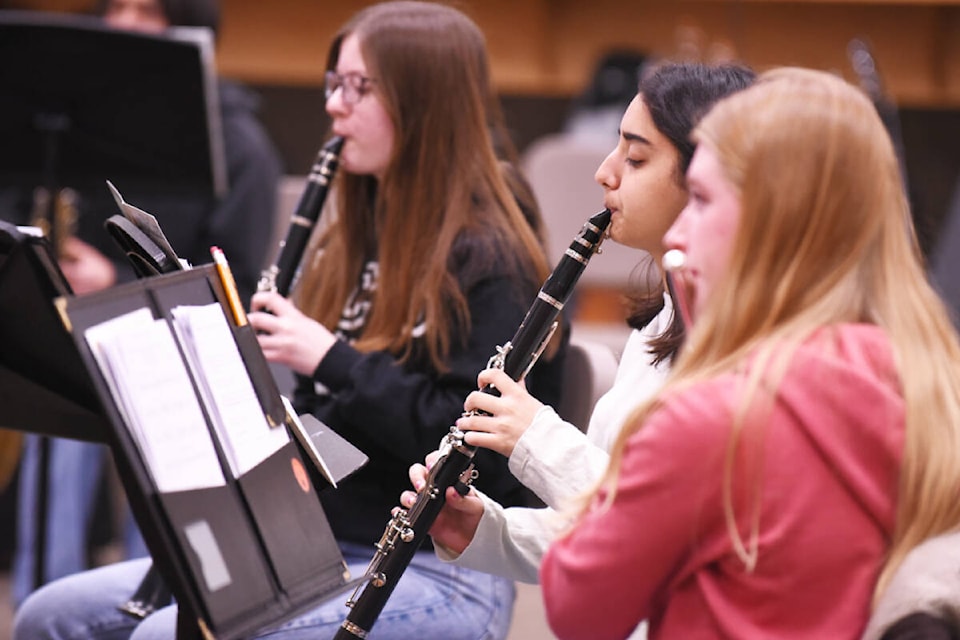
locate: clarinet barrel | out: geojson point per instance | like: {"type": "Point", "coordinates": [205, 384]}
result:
{"type": "Point", "coordinates": [280, 276]}
{"type": "Point", "coordinates": [408, 529]}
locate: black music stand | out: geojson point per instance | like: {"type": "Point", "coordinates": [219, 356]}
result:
{"type": "Point", "coordinates": [91, 103]}
{"type": "Point", "coordinates": [276, 552]}
{"type": "Point", "coordinates": [82, 103]}
{"type": "Point", "coordinates": [44, 385]}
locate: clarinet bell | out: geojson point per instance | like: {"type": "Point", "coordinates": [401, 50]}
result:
{"type": "Point", "coordinates": [151, 595]}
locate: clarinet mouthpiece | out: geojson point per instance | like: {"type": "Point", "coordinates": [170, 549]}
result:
{"type": "Point", "coordinates": [674, 260]}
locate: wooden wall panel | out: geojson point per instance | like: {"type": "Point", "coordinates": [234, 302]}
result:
{"type": "Point", "coordinates": [285, 41]}
{"type": "Point", "coordinates": [64, 6]}
{"type": "Point", "coordinates": [917, 47]}
{"type": "Point", "coordinates": [948, 52]}
{"type": "Point", "coordinates": [279, 41]}
{"type": "Point", "coordinates": [549, 47]}
{"type": "Point", "coordinates": [518, 36]}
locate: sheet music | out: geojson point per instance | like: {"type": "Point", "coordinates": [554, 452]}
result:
{"type": "Point", "coordinates": [150, 384]}
{"type": "Point", "coordinates": [225, 386]}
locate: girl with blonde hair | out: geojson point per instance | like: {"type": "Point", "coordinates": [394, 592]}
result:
{"type": "Point", "coordinates": [807, 437]}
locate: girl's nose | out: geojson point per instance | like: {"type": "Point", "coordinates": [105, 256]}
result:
{"type": "Point", "coordinates": [606, 175]}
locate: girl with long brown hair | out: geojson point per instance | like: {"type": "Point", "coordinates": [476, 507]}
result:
{"type": "Point", "coordinates": [426, 263]}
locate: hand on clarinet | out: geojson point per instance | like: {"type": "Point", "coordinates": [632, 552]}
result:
{"type": "Point", "coordinates": [459, 518]}
{"type": "Point", "coordinates": [286, 335]}
{"type": "Point", "coordinates": [510, 414]}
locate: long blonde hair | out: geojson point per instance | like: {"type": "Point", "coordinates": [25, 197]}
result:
{"type": "Point", "coordinates": [825, 237]}
{"type": "Point", "coordinates": [443, 180]}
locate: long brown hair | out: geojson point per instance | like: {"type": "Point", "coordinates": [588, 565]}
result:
{"type": "Point", "coordinates": [825, 237]}
{"type": "Point", "coordinates": [442, 182]}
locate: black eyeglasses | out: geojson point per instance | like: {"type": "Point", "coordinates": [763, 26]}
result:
{"type": "Point", "coordinates": [354, 86]}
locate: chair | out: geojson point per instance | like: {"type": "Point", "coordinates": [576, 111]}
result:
{"type": "Point", "coordinates": [589, 370]}
{"type": "Point", "coordinates": [922, 599]}
{"type": "Point", "coordinates": [560, 169]}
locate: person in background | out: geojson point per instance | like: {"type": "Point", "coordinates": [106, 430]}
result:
{"type": "Point", "coordinates": [808, 435]}
{"type": "Point", "coordinates": [426, 265]}
{"type": "Point", "coordinates": [595, 113]}
{"type": "Point", "coordinates": [239, 223]}
{"type": "Point", "coordinates": [644, 185]}
{"type": "Point", "coordinates": [945, 258]}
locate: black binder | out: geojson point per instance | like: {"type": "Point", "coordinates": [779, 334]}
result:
{"type": "Point", "coordinates": [239, 557]}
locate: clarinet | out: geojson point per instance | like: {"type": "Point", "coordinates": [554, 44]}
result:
{"type": "Point", "coordinates": [279, 276]}
{"type": "Point", "coordinates": [407, 530]}
{"type": "Point", "coordinates": [152, 593]}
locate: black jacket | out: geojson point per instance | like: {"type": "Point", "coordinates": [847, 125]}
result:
{"type": "Point", "coordinates": [397, 413]}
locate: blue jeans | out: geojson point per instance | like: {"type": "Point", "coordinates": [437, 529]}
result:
{"type": "Point", "coordinates": [431, 600]}
{"type": "Point", "coordinates": [75, 470]}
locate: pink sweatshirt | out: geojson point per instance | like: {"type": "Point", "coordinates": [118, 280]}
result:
{"type": "Point", "coordinates": [828, 478]}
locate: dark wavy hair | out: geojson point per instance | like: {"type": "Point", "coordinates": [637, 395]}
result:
{"type": "Point", "coordinates": [677, 95]}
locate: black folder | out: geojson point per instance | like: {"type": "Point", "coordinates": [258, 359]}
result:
{"type": "Point", "coordinates": [263, 536]}
{"type": "Point", "coordinates": [239, 557]}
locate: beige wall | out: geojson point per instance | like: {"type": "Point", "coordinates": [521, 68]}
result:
{"type": "Point", "coordinates": [548, 47]}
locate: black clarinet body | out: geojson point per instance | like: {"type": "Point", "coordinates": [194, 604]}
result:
{"type": "Point", "coordinates": [280, 275]}
{"type": "Point", "coordinates": [407, 530]}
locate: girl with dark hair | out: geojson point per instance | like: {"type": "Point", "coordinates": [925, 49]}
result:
{"type": "Point", "coordinates": [645, 190]}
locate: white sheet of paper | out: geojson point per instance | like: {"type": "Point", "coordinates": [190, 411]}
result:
{"type": "Point", "coordinates": [232, 402]}
{"type": "Point", "coordinates": [148, 380]}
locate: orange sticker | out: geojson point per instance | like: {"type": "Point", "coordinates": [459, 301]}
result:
{"type": "Point", "coordinates": [300, 473]}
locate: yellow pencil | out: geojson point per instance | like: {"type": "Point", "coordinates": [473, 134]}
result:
{"type": "Point", "coordinates": [229, 285]}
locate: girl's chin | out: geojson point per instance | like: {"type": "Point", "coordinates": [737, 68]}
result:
{"type": "Point", "coordinates": [624, 240]}
{"type": "Point", "coordinates": [615, 231]}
